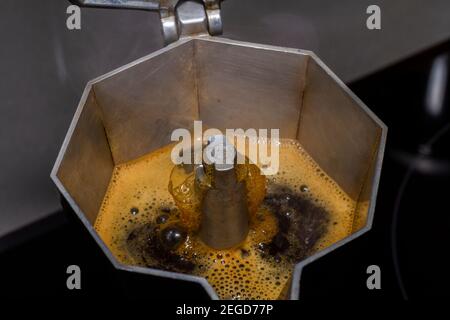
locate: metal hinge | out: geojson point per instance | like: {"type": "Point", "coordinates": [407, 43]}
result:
{"type": "Point", "coordinates": [179, 18]}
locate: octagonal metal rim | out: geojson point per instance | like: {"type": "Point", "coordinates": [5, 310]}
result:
{"type": "Point", "coordinates": [298, 268]}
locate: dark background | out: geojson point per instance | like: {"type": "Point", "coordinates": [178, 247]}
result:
{"type": "Point", "coordinates": [45, 67]}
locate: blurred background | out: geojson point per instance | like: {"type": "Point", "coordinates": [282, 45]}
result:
{"type": "Point", "coordinates": [401, 72]}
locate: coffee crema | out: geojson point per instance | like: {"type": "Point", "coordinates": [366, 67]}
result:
{"type": "Point", "coordinates": [303, 211]}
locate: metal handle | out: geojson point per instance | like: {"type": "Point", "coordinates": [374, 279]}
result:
{"type": "Point", "coordinates": [123, 4]}
{"type": "Point", "coordinates": [178, 17]}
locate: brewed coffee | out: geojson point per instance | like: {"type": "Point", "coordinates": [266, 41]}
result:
{"type": "Point", "coordinates": [302, 210]}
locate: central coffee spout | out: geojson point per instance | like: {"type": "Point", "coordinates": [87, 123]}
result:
{"type": "Point", "coordinates": [224, 208]}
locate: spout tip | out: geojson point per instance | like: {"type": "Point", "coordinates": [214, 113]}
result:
{"type": "Point", "coordinates": [224, 207]}
{"type": "Point", "coordinates": [220, 153]}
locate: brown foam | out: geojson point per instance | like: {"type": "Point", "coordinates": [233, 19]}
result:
{"type": "Point", "coordinates": [261, 267]}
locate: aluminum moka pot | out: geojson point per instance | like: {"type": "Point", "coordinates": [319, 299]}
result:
{"type": "Point", "coordinates": [133, 110]}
